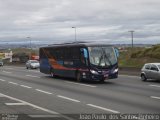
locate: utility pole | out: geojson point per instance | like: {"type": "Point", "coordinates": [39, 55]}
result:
{"type": "Point", "coordinates": [30, 48]}
{"type": "Point", "coordinates": [131, 36]}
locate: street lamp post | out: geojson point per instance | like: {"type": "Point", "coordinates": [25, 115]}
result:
{"type": "Point", "coordinates": [75, 34]}
{"type": "Point", "coordinates": [131, 36]}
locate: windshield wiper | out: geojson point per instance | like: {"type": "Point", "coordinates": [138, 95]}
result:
{"type": "Point", "coordinates": [104, 56]}
{"type": "Point", "coordinates": [101, 60]}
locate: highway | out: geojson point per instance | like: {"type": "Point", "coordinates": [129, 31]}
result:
{"type": "Point", "coordinates": [37, 95]}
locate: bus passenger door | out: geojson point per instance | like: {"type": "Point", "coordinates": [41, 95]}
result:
{"type": "Point", "coordinates": [84, 57]}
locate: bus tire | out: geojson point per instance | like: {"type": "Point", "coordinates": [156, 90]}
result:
{"type": "Point", "coordinates": [78, 77]}
{"type": "Point", "coordinates": [52, 73]}
{"type": "Point", "coordinates": [101, 80]}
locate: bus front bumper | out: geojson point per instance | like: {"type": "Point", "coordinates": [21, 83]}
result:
{"type": "Point", "coordinates": [96, 77]}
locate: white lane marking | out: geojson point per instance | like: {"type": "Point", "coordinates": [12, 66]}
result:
{"type": "Point", "coordinates": [155, 97]}
{"type": "Point", "coordinates": [32, 76]}
{"type": "Point", "coordinates": [34, 71]}
{"type": "Point", "coordinates": [15, 104]}
{"type": "Point", "coordinates": [9, 68]}
{"type": "Point", "coordinates": [13, 83]}
{"type": "Point", "coordinates": [2, 80]}
{"type": "Point", "coordinates": [1, 95]}
{"type": "Point", "coordinates": [30, 104]}
{"type": "Point", "coordinates": [81, 84]}
{"type": "Point", "coordinates": [67, 98]}
{"type": "Point", "coordinates": [102, 108]}
{"type": "Point", "coordinates": [13, 67]}
{"type": "Point", "coordinates": [22, 69]}
{"type": "Point", "coordinates": [154, 85]}
{"type": "Point", "coordinates": [25, 86]}
{"type": "Point", "coordinates": [6, 72]}
{"type": "Point", "coordinates": [132, 76]}
{"type": "Point", "coordinates": [49, 93]}
{"type": "Point", "coordinates": [43, 116]}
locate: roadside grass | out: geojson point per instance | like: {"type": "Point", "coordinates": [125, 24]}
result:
{"type": "Point", "coordinates": [137, 57]}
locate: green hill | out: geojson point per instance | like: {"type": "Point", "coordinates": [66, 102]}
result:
{"type": "Point", "coordinates": [153, 52]}
{"type": "Point", "coordinates": [137, 57]}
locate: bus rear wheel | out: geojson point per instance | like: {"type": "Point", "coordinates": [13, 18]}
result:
{"type": "Point", "coordinates": [78, 77]}
{"type": "Point", "coordinates": [52, 73]}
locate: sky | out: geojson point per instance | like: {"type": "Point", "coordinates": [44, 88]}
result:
{"type": "Point", "coordinates": [51, 21]}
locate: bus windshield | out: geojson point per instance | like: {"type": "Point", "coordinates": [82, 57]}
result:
{"type": "Point", "coordinates": [102, 56]}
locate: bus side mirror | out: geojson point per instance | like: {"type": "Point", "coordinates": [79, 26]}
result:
{"type": "Point", "coordinates": [117, 52]}
{"type": "Point", "coordinates": [85, 53]}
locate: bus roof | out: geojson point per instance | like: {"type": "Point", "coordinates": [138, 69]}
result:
{"type": "Point", "coordinates": [85, 44]}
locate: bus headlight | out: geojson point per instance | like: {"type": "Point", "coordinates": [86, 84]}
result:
{"type": "Point", "coordinates": [115, 70]}
{"type": "Point", "coordinates": [94, 72]}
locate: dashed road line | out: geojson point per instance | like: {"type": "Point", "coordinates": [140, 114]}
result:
{"type": "Point", "coordinates": [2, 80]}
{"type": "Point", "coordinates": [102, 108]}
{"type": "Point", "coordinates": [37, 107]}
{"type": "Point", "coordinates": [15, 104]}
{"type": "Point", "coordinates": [42, 91]}
{"type": "Point", "coordinates": [9, 68]}
{"type": "Point", "coordinates": [25, 86]}
{"type": "Point", "coordinates": [12, 67]}
{"type": "Point", "coordinates": [132, 76]}
{"type": "Point", "coordinates": [154, 97]}
{"type": "Point", "coordinates": [32, 76]}
{"type": "Point", "coordinates": [34, 71]}
{"type": "Point", "coordinates": [30, 104]}
{"type": "Point", "coordinates": [154, 85]}
{"type": "Point", "coordinates": [6, 72]}
{"type": "Point", "coordinates": [67, 98]}
{"type": "Point", "coordinates": [43, 116]}
{"type": "Point", "coordinates": [13, 83]}
{"type": "Point", "coordinates": [1, 95]}
{"type": "Point", "coordinates": [82, 84]}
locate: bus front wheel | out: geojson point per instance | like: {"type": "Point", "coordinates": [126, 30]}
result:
{"type": "Point", "coordinates": [101, 80]}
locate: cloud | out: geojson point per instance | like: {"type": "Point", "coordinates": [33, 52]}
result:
{"type": "Point", "coordinates": [106, 20]}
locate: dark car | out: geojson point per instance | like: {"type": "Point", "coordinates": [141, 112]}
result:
{"type": "Point", "coordinates": [150, 71]}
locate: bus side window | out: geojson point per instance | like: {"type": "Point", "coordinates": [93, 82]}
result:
{"type": "Point", "coordinates": [117, 52]}
{"type": "Point", "coordinates": [67, 54]}
{"type": "Point", "coordinates": [59, 53]}
{"type": "Point", "coordinates": [42, 54]}
{"type": "Point", "coordinates": [82, 57]}
{"type": "Point", "coordinates": [75, 53]}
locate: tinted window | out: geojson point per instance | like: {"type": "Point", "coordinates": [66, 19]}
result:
{"type": "Point", "coordinates": [147, 67]}
{"type": "Point", "coordinates": [42, 54]}
{"type": "Point", "coordinates": [75, 53]}
{"type": "Point", "coordinates": [34, 61]}
{"type": "Point", "coordinates": [59, 53]}
{"type": "Point", "coordinates": [52, 53]}
{"type": "Point", "coordinates": [67, 53]}
{"type": "Point", "coordinates": [159, 66]}
{"type": "Point", "coordinates": [153, 67]}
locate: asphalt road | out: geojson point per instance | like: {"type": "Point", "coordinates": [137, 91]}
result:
{"type": "Point", "coordinates": [38, 96]}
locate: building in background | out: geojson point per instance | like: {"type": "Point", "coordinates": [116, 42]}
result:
{"type": "Point", "coordinates": [6, 56]}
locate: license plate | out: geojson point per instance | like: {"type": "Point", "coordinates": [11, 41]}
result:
{"type": "Point", "coordinates": [106, 75]}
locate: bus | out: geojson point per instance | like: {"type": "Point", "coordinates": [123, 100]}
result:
{"type": "Point", "coordinates": [82, 61]}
